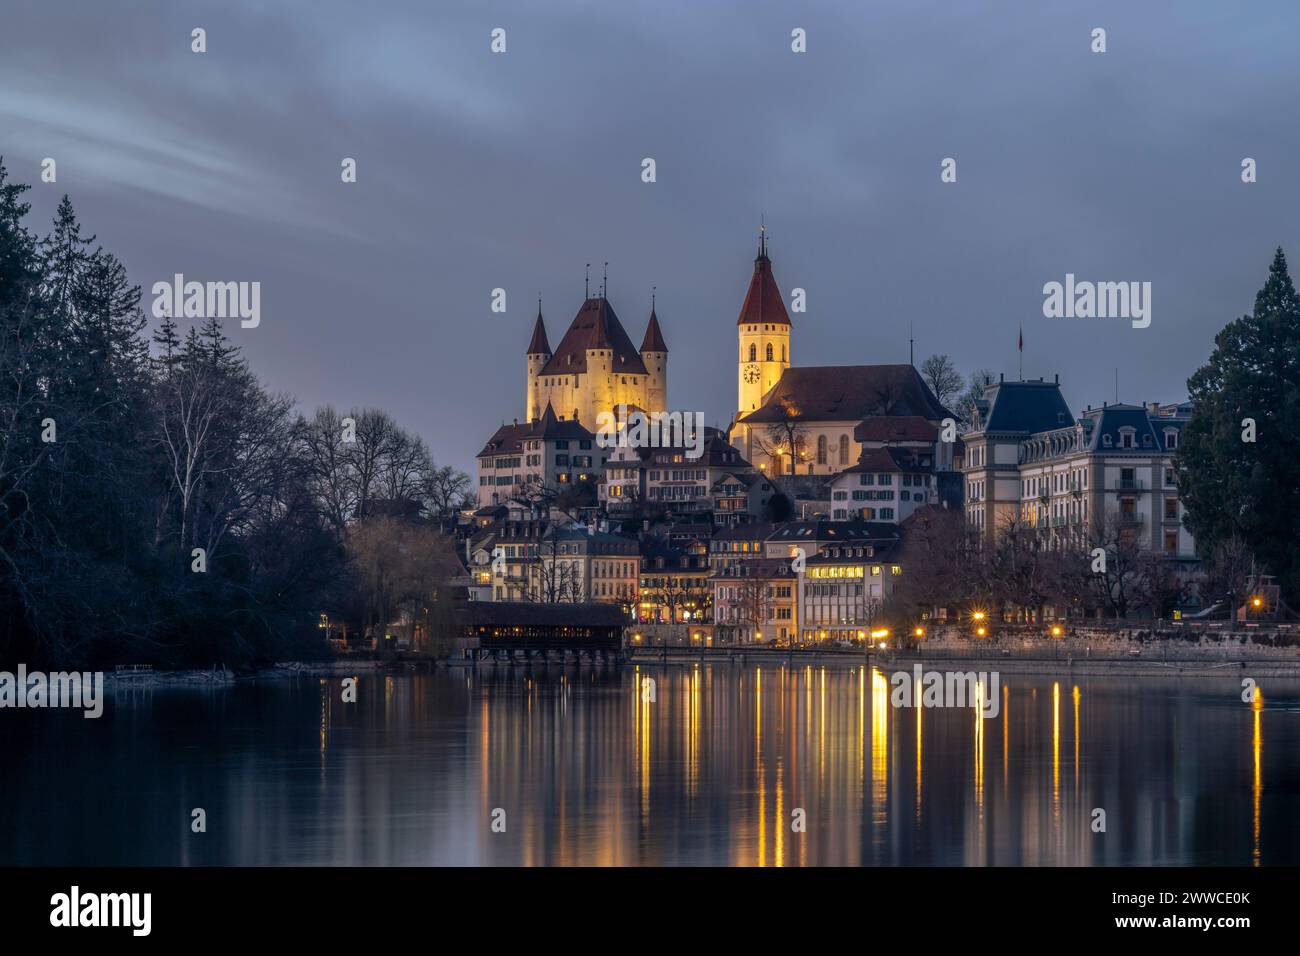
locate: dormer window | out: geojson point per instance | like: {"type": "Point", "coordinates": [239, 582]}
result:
{"type": "Point", "coordinates": [1106, 440]}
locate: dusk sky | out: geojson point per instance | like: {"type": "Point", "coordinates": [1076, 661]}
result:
{"type": "Point", "coordinates": [479, 170]}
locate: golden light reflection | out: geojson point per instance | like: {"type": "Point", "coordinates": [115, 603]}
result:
{"type": "Point", "coordinates": [879, 745]}
{"type": "Point", "coordinates": [1006, 736]}
{"type": "Point", "coordinates": [1056, 750]}
{"type": "Point", "coordinates": [916, 696]}
{"type": "Point", "coordinates": [693, 762]}
{"type": "Point", "coordinates": [979, 748]}
{"type": "Point", "coordinates": [780, 815]}
{"type": "Point", "coordinates": [1257, 790]}
{"type": "Point", "coordinates": [762, 771]}
{"type": "Point", "coordinates": [821, 726]}
{"type": "Point", "coordinates": [862, 729]}
{"type": "Point", "coordinates": [1075, 695]}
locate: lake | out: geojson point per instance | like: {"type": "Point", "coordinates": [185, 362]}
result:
{"type": "Point", "coordinates": [580, 767]}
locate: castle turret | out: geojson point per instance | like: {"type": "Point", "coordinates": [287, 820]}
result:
{"type": "Point", "coordinates": [654, 354]}
{"type": "Point", "coordinates": [539, 353]}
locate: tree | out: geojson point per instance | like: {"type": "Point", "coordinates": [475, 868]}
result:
{"type": "Point", "coordinates": [1118, 583]}
{"type": "Point", "coordinates": [1237, 482]}
{"type": "Point", "coordinates": [786, 437]}
{"type": "Point", "coordinates": [942, 376]}
{"type": "Point", "coordinates": [404, 571]}
{"type": "Point", "coordinates": [979, 380]}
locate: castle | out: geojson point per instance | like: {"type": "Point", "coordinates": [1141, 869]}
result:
{"type": "Point", "coordinates": [595, 368]}
{"type": "Point", "coordinates": [788, 420]}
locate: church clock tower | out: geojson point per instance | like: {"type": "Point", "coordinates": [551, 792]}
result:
{"type": "Point", "coordinates": [764, 333]}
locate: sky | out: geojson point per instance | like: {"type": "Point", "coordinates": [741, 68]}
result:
{"type": "Point", "coordinates": [479, 170]}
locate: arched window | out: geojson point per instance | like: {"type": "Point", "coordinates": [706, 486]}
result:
{"type": "Point", "coordinates": [753, 352]}
{"type": "Point", "coordinates": [844, 449]}
{"type": "Point", "coordinates": [783, 353]}
{"type": "Point", "coordinates": [821, 449]}
{"type": "Point", "coordinates": [769, 351]}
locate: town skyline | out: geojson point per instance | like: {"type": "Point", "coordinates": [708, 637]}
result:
{"type": "Point", "coordinates": [377, 293]}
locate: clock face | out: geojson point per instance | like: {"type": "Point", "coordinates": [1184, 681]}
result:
{"type": "Point", "coordinates": [751, 374]}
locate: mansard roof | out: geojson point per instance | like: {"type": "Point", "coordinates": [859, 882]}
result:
{"type": "Point", "coordinates": [596, 326]}
{"type": "Point", "coordinates": [1024, 407]}
{"type": "Point", "coordinates": [838, 393]}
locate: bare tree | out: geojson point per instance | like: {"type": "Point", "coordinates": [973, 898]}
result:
{"type": "Point", "coordinates": [787, 437]}
{"type": "Point", "coordinates": [1232, 570]}
{"type": "Point", "coordinates": [942, 376]}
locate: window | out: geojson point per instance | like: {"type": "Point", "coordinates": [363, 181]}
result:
{"type": "Point", "coordinates": [1171, 543]}
{"type": "Point", "coordinates": [844, 449]}
{"type": "Point", "coordinates": [753, 352]}
{"type": "Point", "coordinates": [1171, 509]}
{"type": "Point", "coordinates": [769, 351]}
{"type": "Point", "coordinates": [783, 353]}
{"type": "Point", "coordinates": [1171, 439]}
{"type": "Point", "coordinates": [821, 449]}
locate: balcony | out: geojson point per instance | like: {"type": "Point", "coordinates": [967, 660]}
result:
{"type": "Point", "coordinates": [1128, 484]}
{"type": "Point", "coordinates": [1129, 519]}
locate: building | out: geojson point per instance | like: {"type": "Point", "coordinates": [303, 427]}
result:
{"type": "Point", "coordinates": [668, 480]}
{"type": "Point", "coordinates": [1107, 475]}
{"type": "Point", "coordinates": [887, 484]}
{"type": "Point", "coordinates": [843, 590]}
{"type": "Point", "coordinates": [595, 368]}
{"type": "Point", "coordinates": [754, 601]}
{"type": "Point", "coordinates": [548, 563]}
{"type": "Point", "coordinates": [803, 420]}
{"type": "Point", "coordinates": [522, 461]}
{"type": "Point", "coordinates": [674, 586]}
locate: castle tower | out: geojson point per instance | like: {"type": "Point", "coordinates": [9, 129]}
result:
{"type": "Point", "coordinates": [654, 354]}
{"type": "Point", "coordinates": [764, 333]}
{"type": "Point", "coordinates": [539, 353]}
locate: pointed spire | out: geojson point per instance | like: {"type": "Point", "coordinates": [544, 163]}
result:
{"type": "Point", "coordinates": [539, 345]}
{"type": "Point", "coordinates": [654, 339]}
{"type": "Point", "coordinates": [763, 302]}
{"type": "Point", "coordinates": [548, 416]}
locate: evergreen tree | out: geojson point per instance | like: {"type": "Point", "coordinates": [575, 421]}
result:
{"type": "Point", "coordinates": [1231, 486]}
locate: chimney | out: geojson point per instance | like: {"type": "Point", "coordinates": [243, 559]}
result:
{"type": "Point", "coordinates": [999, 378]}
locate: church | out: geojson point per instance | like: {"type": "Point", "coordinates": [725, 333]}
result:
{"type": "Point", "coordinates": [816, 420]}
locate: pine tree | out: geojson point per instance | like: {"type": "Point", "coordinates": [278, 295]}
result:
{"type": "Point", "coordinates": [169, 346]}
{"type": "Point", "coordinates": [1233, 487]}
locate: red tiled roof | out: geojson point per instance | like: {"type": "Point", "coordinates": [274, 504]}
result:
{"type": "Point", "coordinates": [596, 326]}
{"type": "Point", "coordinates": [837, 393]}
{"type": "Point", "coordinates": [654, 339]}
{"type": "Point", "coordinates": [510, 438]}
{"type": "Point", "coordinates": [891, 428]}
{"type": "Point", "coordinates": [538, 345]}
{"type": "Point", "coordinates": [763, 300]}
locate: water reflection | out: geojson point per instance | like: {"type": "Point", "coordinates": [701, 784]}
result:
{"type": "Point", "coordinates": [659, 765]}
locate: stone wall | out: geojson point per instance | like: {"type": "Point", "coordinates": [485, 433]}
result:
{"type": "Point", "coordinates": [1199, 642]}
